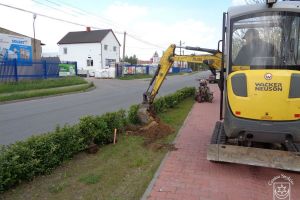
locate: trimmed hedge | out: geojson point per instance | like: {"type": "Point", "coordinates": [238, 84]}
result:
{"type": "Point", "coordinates": [41, 154]}
{"type": "Point", "coordinates": [99, 129]}
{"type": "Point", "coordinates": [132, 114]}
{"type": "Point", "coordinates": [38, 155]}
{"type": "Point", "coordinates": [163, 103]}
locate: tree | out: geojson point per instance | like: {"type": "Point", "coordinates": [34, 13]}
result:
{"type": "Point", "coordinates": [132, 59]}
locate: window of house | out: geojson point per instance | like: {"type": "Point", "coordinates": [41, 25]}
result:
{"type": "Point", "coordinates": [109, 62]}
{"type": "Point", "coordinates": [105, 47]}
{"type": "Point", "coordinates": [115, 48]}
{"type": "Point", "coordinates": [65, 50]}
{"type": "Point", "coordinates": [90, 62]}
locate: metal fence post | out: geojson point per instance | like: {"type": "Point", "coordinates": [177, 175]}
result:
{"type": "Point", "coordinates": [45, 68]}
{"type": "Point", "coordinates": [16, 69]}
{"type": "Point", "coordinates": [76, 71]}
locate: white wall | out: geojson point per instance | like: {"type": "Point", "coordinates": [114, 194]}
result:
{"type": "Point", "coordinates": [111, 41]}
{"type": "Point", "coordinates": [80, 54]}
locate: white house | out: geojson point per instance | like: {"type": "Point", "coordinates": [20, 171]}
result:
{"type": "Point", "coordinates": [92, 50]}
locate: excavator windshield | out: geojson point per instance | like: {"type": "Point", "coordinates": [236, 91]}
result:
{"type": "Point", "coordinates": [265, 40]}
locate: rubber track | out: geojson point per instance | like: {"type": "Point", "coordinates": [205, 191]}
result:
{"type": "Point", "coordinates": [218, 136]}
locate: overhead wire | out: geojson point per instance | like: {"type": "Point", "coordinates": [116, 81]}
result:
{"type": "Point", "coordinates": [84, 12]}
{"type": "Point", "coordinates": [57, 9]}
{"type": "Point", "coordinates": [64, 11]}
{"type": "Point", "coordinates": [75, 23]}
{"type": "Point", "coordinates": [143, 41]}
{"type": "Point", "coordinates": [136, 47]}
{"type": "Point", "coordinates": [80, 11]}
{"type": "Point", "coordinates": [46, 16]}
{"type": "Point", "coordinates": [130, 35]}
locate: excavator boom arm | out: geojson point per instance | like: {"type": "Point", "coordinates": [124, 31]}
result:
{"type": "Point", "coordinates": [160, 75]}
{"type": "Point", "coordinates": [213, 60]}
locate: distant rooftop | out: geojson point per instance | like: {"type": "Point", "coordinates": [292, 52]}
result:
{"type": "Point", "coordinates": [85, 37]}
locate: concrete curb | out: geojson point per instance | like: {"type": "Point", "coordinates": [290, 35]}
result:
{"type": "Point", "coordinates": [151, 184]}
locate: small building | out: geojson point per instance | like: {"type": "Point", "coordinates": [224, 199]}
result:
{"type": "Point", "coordinates": [17, 46]}
{"type": "Point", "coordinates": [144, 62]}
{"type": "Point", "coordinates": [92, 50]}
{"type": "Point", "coordinates": [155, 58]}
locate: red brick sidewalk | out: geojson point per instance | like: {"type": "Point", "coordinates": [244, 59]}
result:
{"type": "Point", "coordinates": [186, 174]}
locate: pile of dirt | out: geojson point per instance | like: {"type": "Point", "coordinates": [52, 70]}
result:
{"type": "Point", "coordinates": [152, 132]}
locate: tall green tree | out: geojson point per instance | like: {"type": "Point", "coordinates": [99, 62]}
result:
{"type": "Point", "coordinates": [132, 59]}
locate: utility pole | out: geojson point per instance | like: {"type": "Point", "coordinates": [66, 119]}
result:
{"type": "Point", "coordinates": [124, 42]}
{"type": "Point", "coordinates": [183, 55]}
{"type": "Point", "coordinates": [180, 53]}
{"type": "Point", "coordinates": [180, 63]}
{"type": "Point", "coordinates": [180, 46]}
{"type": "Point", "coordinates": [34, 45]}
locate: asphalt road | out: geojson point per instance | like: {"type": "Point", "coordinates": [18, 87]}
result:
{"type": "Point", "coordinates": [23, 119]}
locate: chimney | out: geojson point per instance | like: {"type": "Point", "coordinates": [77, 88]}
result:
{"type": "Point", "coordinates": [88, 29]}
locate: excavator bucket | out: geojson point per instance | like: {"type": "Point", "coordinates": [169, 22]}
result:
{"type": "Point", "coordinates": [144, 114]}
{"type": "Point", "coordinates": [220, 152]}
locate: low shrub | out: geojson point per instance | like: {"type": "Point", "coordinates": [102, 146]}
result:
{"type": "Point", "coordinates": [132, 114]}
{"type": "Point", "coordinates": [99, 129]}
{"type": "Point", "coordinates": [163, 103]}
{"type": "Point", "coordinates": [40, 154]}
{"type": "Point", "coordinates": [116, 120]}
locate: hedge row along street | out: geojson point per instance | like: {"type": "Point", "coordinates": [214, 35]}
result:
{"type": "Point", "coordinates": [38, 155]}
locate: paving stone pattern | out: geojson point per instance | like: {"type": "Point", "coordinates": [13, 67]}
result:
{"type": "Point", "coordinates": [186, 174]}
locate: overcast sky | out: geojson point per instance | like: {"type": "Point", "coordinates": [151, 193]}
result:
{"type": "Point", "coordinates": [151, 25]}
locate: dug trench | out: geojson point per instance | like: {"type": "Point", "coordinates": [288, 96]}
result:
{"type": "Point", "coordinates": [154, 134]}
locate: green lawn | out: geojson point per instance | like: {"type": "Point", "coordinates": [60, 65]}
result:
{"type": "Point", "coordinates": [121, 171]}
{"type": "Point", "coordinates": [40, 84]}
{"type": "Point", "coordinates": [44, 92]}
{"type": "Point", "coordinates": [135, 76]}
{"type": "Point", "coordinates": [40, 88]}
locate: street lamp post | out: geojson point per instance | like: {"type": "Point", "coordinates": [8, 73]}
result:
{"type": "Point", "coordinates": [34, 45]}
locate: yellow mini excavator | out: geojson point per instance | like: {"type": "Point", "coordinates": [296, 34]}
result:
{"type": "Point", "coordinates": [212, 59]}
{"type": "Point", "coordinates": [260, 95]}
{"type": "Point", "coordinates": [259, 85]}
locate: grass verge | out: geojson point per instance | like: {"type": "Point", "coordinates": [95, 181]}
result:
{"type": "Point", "coordinates": [25, 85]}
{"type": "Point", "coordinates": [135, 76]}
{"type": "Point", "coordinates": [121, 171]}
{"type": "Point", "coordinates": [43, 92]}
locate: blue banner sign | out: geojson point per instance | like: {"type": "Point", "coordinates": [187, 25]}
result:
{"type": "Point", "coordinates": [15, 47]}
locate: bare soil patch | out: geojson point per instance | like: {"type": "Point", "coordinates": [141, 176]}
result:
{"type": "Point", "coordinates": [153, 133]}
